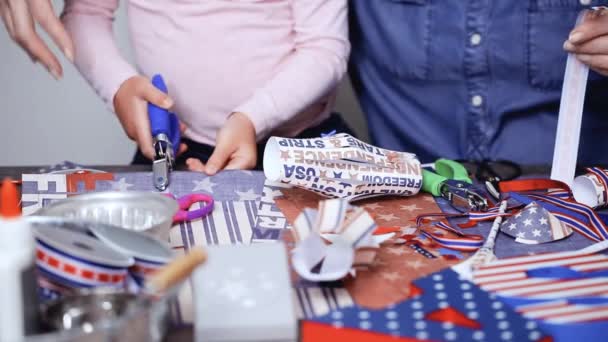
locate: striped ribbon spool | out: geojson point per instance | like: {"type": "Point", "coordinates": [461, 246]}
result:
{"type": "Point", "coordinates": [592, 188]}
{"type": "Point", "coordinates": [142, 269]}
{"type": "Point", "coordinates": [76, 272]}
{"type": "Point", "coordinates": [73, 260]}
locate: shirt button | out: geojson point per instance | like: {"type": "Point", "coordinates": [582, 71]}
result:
{"type": "Point", "coordinates": [476, 38]}
{"type": "Point", "coordinates": [585, 2]}
{"type": "Point", "coordinates": [476, 100]}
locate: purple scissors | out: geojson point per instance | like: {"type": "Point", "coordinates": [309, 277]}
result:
{"type": "Point", "coordinates": [185, 202]}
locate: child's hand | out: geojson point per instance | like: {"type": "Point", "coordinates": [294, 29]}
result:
{"type": "Point", "coordinates": [131, 106]}
{"type": "Point", "coordinates": [235, 147]}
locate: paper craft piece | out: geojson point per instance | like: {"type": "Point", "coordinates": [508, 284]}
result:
{"type": "Point", "coordinates": [535, 224]}
{"type": "Point", "coordinates": [270, 222]}
{"type": "Point", "coordinates": [341, 166]}
{"type": "Point", "coordinates": [591, 188]}
{"type": "Point", "coordinates": [38, 190]}
{"type": "Point", "coordinates": [448, 309]}
{"type": "Point", "coordinates": [564, 292]}
{"type": "Point", "coordinates": [332, 258]}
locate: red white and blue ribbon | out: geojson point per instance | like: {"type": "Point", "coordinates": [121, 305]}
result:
{"type": "Point", "coordinates": [462, 242]}
{"type": "Point", "coordinates": [579, 216]}
{"type": "Point", "coordinates": [75, 272]}
{"type": "Point", "coordinates": [602, 176]}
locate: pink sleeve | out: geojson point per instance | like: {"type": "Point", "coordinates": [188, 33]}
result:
{"type": "Point", "coordinates": [313, 70]}
{"type": "Point", "coordinates": [89, 23]}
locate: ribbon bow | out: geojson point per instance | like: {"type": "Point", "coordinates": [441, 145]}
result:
{"type": "Point", "coordinates": [332, 240]}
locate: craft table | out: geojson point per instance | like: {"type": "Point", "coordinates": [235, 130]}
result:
{"type": "Point", "coordinates": [248, 187]}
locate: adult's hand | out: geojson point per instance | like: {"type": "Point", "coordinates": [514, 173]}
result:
{"type": "Point", "coordinates": [589, 41]}
{"type": "Point", "coordinates": [20, 17]}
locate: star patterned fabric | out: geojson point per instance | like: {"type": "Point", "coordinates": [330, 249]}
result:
{"type": "Point", "coordinates": [447, 309]}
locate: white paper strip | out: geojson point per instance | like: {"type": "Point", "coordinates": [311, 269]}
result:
{"type": "Point", "coordinates": [571, 106]}
{"type": "Point", "coordinates": [314, 258]}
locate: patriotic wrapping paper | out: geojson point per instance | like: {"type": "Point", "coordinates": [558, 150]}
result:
{"type": "Point", "coordinates": [341, 166]}
{"type": "Point", "coordinates": [270, 222]}
{"type": "Point", "coordinates": [445, 308]}
{"type": "Point", "coordinates": [387, 280]}
{"type": "Point", "coordinates": [564, 292]}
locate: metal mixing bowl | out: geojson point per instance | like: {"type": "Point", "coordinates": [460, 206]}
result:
{"type": "Point", "coordinates": [147, 212]}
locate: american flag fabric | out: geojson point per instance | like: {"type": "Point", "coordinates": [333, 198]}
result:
{"type": "Point", "coordinates": [535, 224]}
{"type": "Point", "coordinates": [565, 289]}
{"type": "Point", "coordinates": [445, 308]}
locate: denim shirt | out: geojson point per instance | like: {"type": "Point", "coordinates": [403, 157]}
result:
{"type": "Point", "coordinates": [471, 79]}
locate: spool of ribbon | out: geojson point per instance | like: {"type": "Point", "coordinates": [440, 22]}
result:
{"type": "Point", "coordinates": [75, 260]}
{"type": "Point", "coordinates": [332, 240]}
{"type": "Point", "coordinates": [341, 166]}
{"type": "Point", "coordinates": [591, 188]}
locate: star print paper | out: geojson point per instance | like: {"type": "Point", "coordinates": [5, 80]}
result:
{"type": "Point", "coordinates": [446, 309]}
{"type": "Point", "coordinates": [121, 185]}
{"type": "Point", "coordinates": [377, 287]}
{"type": "Point", "coordinates": [203, 185]}
{"type": "Point", "coordinates": [534, 225]}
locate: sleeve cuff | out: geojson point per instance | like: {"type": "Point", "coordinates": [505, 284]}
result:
{"type": "Point", "coordinates": [114, 84]}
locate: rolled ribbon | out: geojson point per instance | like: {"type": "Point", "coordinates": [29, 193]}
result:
{"type": "Point", "coordinates": [591, 188]}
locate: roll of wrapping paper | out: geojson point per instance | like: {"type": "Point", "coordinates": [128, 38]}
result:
{"type": "Point", "coordinates": [342, 166]}
{"type": "Point", "coordinates": [591, 188]}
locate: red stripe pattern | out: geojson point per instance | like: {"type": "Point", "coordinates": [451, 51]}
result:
{"type": "Point", "coordinates": [509, 277]}
{"type": "Point", "coordinates": [78, 272]}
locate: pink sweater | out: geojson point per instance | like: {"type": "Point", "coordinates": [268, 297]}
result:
{"type": "Point", "coordinates": [278, 61]}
